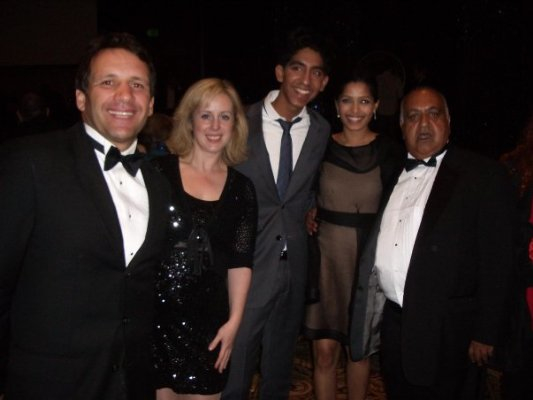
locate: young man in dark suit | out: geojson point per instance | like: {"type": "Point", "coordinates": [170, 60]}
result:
{"type": "Point", "coordinates": [435, 271]}
{"type": "Point", "coordinates": [83, 221]}
{"type": "Point", "coordinates": [275, 304]}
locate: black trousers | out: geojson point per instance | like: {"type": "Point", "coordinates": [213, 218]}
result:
{"type": "Point", "coordinates": [453, 382]}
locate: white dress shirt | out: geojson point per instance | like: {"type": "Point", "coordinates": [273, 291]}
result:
{"type": "Point", "coordinates": [273, 131]}
{"type": "Point", "coordinates": [129, 196]}
{"type": "Point", "coordinates": [399, 227]}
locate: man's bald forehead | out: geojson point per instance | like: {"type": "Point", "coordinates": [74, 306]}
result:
{"type": "Point", "coordinates": [421, 89]}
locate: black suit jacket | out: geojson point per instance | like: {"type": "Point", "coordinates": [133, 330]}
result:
{"type": "Point", "coordinates": [77, 321]}
{"type": "Point", "coordinates": [457, 280]}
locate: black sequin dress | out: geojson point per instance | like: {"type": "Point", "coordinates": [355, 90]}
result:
{"type": "Point", "coordinates": [205, 239]}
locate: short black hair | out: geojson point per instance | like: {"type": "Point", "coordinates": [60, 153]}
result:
{"type": "Point", "coordinates": [301, 38]}
{"type": "Point", "coordinates": [113, 40]}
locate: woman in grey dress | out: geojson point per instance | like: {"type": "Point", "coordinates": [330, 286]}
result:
{"type": "Point", "coordinates": [357, 165]}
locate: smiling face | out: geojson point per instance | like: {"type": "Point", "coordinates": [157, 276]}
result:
{"type": "Point", "coordinates": [425, 122]}
{"type": "Point", "coordinates": [213, 124]}
{"type": "Point", "coordinates": [356, 106]}
{"type": "Point", "coordinates": [302, 79]}
{"type": "Point", "coordinates": [118, 100]}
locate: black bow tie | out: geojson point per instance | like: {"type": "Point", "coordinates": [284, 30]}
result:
{"type": "Point", "coordinates": [131, 162]}
{"type": "Point", "coordinates": [412, 163]}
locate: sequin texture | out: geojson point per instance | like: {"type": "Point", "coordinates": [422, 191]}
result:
{"type": "Point", "coordinates": [205, 239]}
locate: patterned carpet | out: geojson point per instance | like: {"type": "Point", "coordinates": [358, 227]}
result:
{"type": "Point", "coordinates": [302, 386]}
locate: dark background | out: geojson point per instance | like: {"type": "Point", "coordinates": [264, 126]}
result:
{"type": "Point", "coordinates": [477, 52]}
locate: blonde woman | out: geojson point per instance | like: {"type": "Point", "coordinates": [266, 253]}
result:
{"type": "Point", "coordinates": [204, 279]}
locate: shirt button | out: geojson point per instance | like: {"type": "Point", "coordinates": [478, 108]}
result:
{"type": "Point", "coordinates": [278, 238]}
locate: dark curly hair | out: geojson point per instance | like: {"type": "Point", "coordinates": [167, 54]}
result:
{"type": "Point", "coordinates": [301, 38]}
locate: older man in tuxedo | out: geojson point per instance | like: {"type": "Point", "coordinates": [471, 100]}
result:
{"type": "Point", "coordinates": [435, 270]}
{"type": "Point", "coordinates": [83, 220]}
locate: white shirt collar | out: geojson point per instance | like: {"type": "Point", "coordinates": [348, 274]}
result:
{"type": "Point", "coordinates": [93, 133]}
{"type": "Point", "coordinates": [438, 158]}
{"type": "Point", "coordinates": [271, 112]}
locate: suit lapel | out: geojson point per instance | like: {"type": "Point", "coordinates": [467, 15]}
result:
{"type": "Point", "coordinates": [93, 183]}
{"type": "Point", "coordinates": [441, 193]}
{"type": "Point", "coordinates": [310, 153]}
{"type": "Point", "coordinates": [258, 150]}
{"type": "Point", "coordinates": [156, 219]}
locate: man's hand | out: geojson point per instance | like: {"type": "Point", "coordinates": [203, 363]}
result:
{"type": "Point", "coordinates": [480, 353]}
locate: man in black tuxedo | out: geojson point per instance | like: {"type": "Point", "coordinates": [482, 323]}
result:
{"type": "Point", "coordinates": [435, 270]}
{"type": "Point", "coordinates": [81, 232]}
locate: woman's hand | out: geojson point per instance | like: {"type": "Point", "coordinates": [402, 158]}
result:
{"type": "Point", "coordinates": [225, 337]}
{"type": "Point", "coordinates": [311, 222]}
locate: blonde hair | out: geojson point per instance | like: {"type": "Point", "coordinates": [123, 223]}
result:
{"type": "Point", "coordinates": [201, 92]}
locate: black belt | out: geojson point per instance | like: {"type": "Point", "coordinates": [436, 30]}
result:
{"type": "Point", "coordinates": [283, 255]}
{"type": "Point", "coordinates": [353, 220]}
